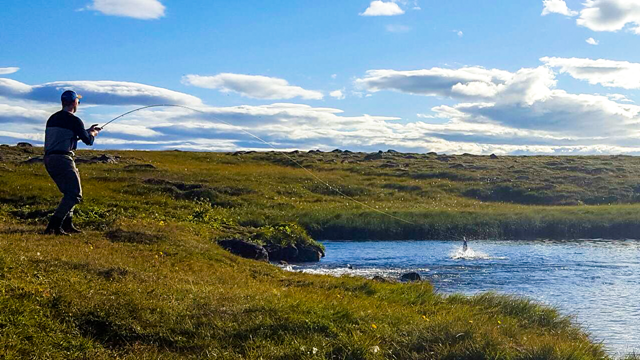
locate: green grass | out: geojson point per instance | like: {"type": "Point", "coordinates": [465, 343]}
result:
{"type": "Point", "coordinates": [440, 197]}
{"type": "Point", "coordinates": [147, 279]}
{"type": "Point", "coordinates": [91, 297]}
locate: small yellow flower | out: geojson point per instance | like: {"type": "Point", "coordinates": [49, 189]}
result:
{"type": "Point", "coordinates": [374, 326]}
{"type": "Point", "coordinates": [499, 322]}
{"type": "Point", "coordinates": [161, 223]}
{"type": "Point", "coordinates": [470, 321]}
{"type": "Point", "coordinates": [424, 317]}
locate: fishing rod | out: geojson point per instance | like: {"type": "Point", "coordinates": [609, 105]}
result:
{"type": "Point", "coordinates": [270, 145]}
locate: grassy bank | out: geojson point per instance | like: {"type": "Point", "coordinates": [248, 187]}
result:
{"type": "Point", "coordinates": [147, 279]}
{"type": "Point", "coordinates": [182, 296]}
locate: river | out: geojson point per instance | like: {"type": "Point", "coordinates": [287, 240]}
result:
{"type": "Point", "coordinates": [597, 281]}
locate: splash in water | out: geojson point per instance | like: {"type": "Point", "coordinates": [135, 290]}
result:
{"type": "Point", "coordinates": [467, 253]}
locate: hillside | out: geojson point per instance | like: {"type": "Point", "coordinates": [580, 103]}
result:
{"type": "Point", "coordinates": [147, 279]}
{"type": "Point", "coordinates": [434, 196]}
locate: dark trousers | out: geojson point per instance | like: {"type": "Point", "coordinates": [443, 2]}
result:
{"type": "Point", "coordinates": [64, 173]}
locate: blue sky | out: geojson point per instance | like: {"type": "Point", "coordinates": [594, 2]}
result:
{"type": "Point", "coordinates": [516, 77]}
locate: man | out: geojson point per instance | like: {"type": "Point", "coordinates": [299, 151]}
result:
{"type": "Point", "coordinates": [61, 139]}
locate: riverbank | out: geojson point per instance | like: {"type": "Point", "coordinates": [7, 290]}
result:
{"type": "Point", "coordinates": [593, 280]}
{"type": "Point", "coordinates": [148, 280]}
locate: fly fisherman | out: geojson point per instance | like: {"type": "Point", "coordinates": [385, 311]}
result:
{"type": "Point", "coordinates": [61, 139]}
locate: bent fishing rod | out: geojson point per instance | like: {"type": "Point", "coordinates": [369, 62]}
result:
{"type": "Point", "coordinates": [268, 144]}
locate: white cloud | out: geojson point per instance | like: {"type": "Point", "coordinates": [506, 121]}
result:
{"type": "Point", "coordinates": [426, 116]}
{"type": "Point", "coordinates": [475, 89]}
{"type": "Point", "coordinates": [138, 9]}
{"type": "Point", "coordinates": [619, 98]}
{"type": "Point", "coordinates": [459, 33]}
{"type": "Point", "coordinates": [381, 8]}
{"type": "Point", "coordinates": [607, 73]}
{"type": "Point", "coordinates": [334, 76]}
{"type": "Point", "coordinates": [592, 41]}
{"type": "Point", "coordinates": [499, 112]}
{"type": "Point", "coordinates": [397, 28]}
{"type": "Point", "coordinates": [519, 112]}
{"type": "Point", "coordinates": [19, 114]}
{"type": "Point", "coordinates": [560, 113]}
{"type": "Point", "coordinates": [338, 94]}
{"type": "Point", "coordinates": [97, 92]}
{"type": "Point", "coordinates": [253, 86]}
{"type": "Point", "coordinates": [529, 103]}
{"type": "Point", "coordinates": [550, 126]}
{"type": "Point", "coordinates": [557, 7]}
{"type": "Point", "coordinates": [466, 82]}
{"type": "Point", "coordinates": [610, 15]}
{"type": "Point", "coordinates": [8, 70]}
{"type": "Point", "coordinates": [13, 88]}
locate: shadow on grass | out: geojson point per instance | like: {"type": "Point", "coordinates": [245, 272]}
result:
{"type": "Point", "coordinates": [134, 236]}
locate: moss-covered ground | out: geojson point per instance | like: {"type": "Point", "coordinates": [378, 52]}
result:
{"type": "Point", "coordinates": [147, 279]}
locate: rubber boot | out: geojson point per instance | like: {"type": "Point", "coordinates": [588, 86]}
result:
{"type": "Point", "coordinates": [67, 226]}
{"type": "Point", "coordinates": [55, 227]}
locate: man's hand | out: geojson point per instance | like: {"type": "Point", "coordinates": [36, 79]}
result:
{"type": "Point", "coordinates": [94, 130]}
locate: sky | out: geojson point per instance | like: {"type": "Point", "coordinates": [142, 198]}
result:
{"type": "Point", "coordinates": [457, 76]}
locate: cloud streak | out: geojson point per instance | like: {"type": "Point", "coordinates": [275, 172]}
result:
{"type": "Point", "coordinates": [21, 115]}
{"type": "Point", "coordinates": [469, 82]}
{"type": "Point", "coordinates": [97, 93]}
{"type": "Point", "coordinates": [609, 73]}
{"type": "Point", "coordinates": [252, 86]}
{"type": "Point", "coordinates": [137, 9]}
{"type": "Point", "coordinates": [8, 70]}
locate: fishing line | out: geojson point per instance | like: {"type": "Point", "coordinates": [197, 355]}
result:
{"type": "Point", "coordinates": [273, 147]}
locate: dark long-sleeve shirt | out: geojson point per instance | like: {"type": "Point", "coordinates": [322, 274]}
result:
{"type": "Point", "coordinates": [62, 134]}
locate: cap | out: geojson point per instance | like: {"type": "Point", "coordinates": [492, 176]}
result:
{"type": "Point", "coordinates": [69, 96]}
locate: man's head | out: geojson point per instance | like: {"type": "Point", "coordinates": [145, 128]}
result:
{"type": "Point", "coordinates": [70, 100]}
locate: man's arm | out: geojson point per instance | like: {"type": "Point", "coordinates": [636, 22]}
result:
{"type": "Point", "coordinates": [87, 136]}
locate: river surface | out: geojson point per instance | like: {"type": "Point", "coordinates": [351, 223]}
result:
{"type": "Point", "coordinates": [597, 281]}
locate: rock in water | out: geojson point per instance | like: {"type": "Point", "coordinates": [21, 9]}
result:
{"type": "Point", "coordinates": [309, 254]}
{"type": "Point", "coordinates": [245, 249]}
{"type": "Point", "coordinates": [412, 276]}
{"type": "Point", "coordinates": [282, 253]}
